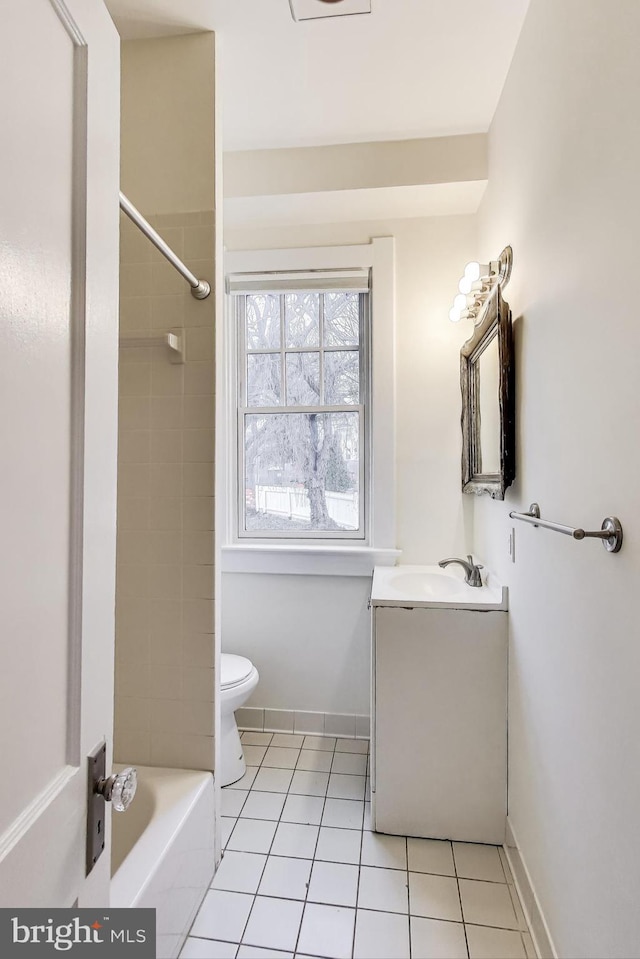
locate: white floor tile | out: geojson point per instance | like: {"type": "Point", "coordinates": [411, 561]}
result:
{"type": "Point", "coordinates": [334, 883]}
{"type": "Point", "coordinates": [435, 897]}
{"type": "Point", "coordinates": [346, 787]}
{"type": "Point", "coordinates": [286, 878]}
{"type": "Point", "coordinates": [303, 809]}
{"type": "Point", "coordinates": [290, 740]}
{"type": "Point", "coordinates": [320, 742]}
{"type": "Point", "coordinates": [239, 872]}
{"type": "Point", "coordinates": [261, 805]}
{"type": "Point", "coordinates": [433, 939]}
{"type": "Point", "coordinates": [354, 764]}
{"type": "Point", "coordinates": [389, 852]}
{"type": "Point", "coordinates": [486, 943]}
{"type": "Point", "coordinates": [339, 845]}
{"type": "Point", "coordinates": [383, 889]}
{"type": "Point", "coordinates": [227, 824]}
{"type": "Point", "coordinates": [296, 840]}
{"type": "Point", "coordinates": [252, 835]}
{"type": "Point", "coordinates": [487, 904]}
{"type": "Point", "coordinates": [253, 755]}
{"type": "Point", "coordinates": [281, 757]}
{"type": "Point", "coordinates": [274, 923]}
{"type": "Point", "coordinates": [474, 861]}
{"type": "Point", "coordinates": [352, 746]}
{"type": "Point", "coordinates": [207, 949]}
{"type": "Point", "coordinates": [254, 952]}
{"type": "Point", "coordinates": [232, 801]}
{"type": "Point", "coordinates": [273, 780]}
{"type": "Point", "coordinates": [430, 855]}
{"type": "Point", "coordinates": [247, 780]}
{"type": "Point", "coordinates": [381, 935]}
{"type": "Point", "coordinates": [529, 948]}
{"type": "Point", "coordinates": [309, 783]}
{"type": "Point", "coordinates": [327, 931]}
{"type": "Point", "coordinates": [314, 760]}
{"type": "Point", "coordinates": [367, 824]}
{"type": "Point", "coordinates": [222, 915]}
{"type": "Point", "coordinates": [256, 739]}
{"type": "Point", "coordinates": [343, 813]}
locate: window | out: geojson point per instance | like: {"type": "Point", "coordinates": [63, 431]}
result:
{"type": "Point", "coordinates": [303, 382]}
{"type": "Point", "coordinates": [295, 360]}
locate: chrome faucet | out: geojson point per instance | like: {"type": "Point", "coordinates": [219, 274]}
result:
{"type": "Point", "coordinates": [471, 571]}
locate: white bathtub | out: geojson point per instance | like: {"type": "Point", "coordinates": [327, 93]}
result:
{"type": "Point", "coordinates": [163, 850]}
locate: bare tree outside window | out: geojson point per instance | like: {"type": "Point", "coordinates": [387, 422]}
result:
{"type": "Point", "coordinates": [302, 413]}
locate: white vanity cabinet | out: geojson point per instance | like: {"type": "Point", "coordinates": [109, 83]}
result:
{"type": "Point", "coordinates": [439, 730]}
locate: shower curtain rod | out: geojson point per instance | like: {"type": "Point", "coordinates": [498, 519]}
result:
{"type": "Point", "coordinates": [199, 288]}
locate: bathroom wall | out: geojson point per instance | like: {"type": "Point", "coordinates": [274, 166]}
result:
{"type": "Point", "coordinates": [309, 635]}
{"type": "Point", "coordinates": [563, 190]}
{"type": "Point", "coordinates": [165, 574]}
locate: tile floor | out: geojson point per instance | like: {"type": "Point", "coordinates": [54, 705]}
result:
{"type": "Point", "coordinates": [303, 875]}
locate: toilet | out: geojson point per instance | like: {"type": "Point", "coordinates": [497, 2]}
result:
{"type": "Point", "coordinates": [238, 678]}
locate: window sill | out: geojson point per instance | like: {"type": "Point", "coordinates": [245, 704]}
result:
{"type": "Point", "coordinates": [307, 560]}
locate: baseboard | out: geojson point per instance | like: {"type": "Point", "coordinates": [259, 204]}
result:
{"type": "Point", "coordinates": [530, 903]}
{"type": "Point", "coordinates": [345, 725]}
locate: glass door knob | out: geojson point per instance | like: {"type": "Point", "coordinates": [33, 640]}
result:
{"type": "Point", "coordinates": [120, 788]}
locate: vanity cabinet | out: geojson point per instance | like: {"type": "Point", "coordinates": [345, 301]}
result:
{"type": "Point", "coordinates": [439, 730]}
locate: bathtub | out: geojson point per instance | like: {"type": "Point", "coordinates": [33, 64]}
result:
{"type": "Point", "coordinates": [162, 853]}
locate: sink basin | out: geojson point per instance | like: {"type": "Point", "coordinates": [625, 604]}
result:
{"type": "Point", "coordinates": [431, 586]}
{"type": "Point", "coordinates": [428, 584]}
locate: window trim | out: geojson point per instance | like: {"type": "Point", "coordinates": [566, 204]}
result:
{"type": "Point", "coordinates": [317, 554]}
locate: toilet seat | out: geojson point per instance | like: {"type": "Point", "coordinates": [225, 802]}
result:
{"type": "Point", "coordinates": [234, 670]}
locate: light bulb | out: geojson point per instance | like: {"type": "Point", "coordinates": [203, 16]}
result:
{"type": "Point", "coordinates": [460, 302]}
{"type": "Point", "coordinates": [475, 271]}
{"type": "Point", "coordinates": [472, 271]}
{"type": "Point", "coordinates": [454, 315]}
{"type": "Point", "coordinates": [465, 285]}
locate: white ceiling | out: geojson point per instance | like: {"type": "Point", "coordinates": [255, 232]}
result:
{"type": "Point", "coordinates": [413, 68]}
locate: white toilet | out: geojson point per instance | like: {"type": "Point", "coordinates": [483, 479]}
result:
{"type": "Point", "coordinates": [238, 678]}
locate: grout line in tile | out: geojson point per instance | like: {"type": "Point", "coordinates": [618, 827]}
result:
{"type": "Point", "coordinates": [315, 849]}
{"type": "Point", "coordinates": [455, 869]}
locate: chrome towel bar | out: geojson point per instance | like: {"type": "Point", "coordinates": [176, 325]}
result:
{"type": "Point", "coordinates": [610, 532]}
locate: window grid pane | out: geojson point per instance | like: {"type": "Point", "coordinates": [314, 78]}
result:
{"type": "Point", "coordinates": [302, 426]}
{"type": "Point", "coordinates": [302, 472]}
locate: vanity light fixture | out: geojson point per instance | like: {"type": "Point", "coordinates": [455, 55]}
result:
{"type": "Point", "coordinates": [477, 283]}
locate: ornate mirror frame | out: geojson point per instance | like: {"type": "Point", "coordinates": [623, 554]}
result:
{"type": "Point", "coordinates": [494, 320]}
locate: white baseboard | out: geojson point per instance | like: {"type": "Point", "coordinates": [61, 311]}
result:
{"type": "Point", "coordinates": [345, 725]}
{"type": "Point", "coordinates": [530, 903]}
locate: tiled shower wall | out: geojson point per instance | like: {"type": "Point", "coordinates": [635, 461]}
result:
{"type": "Point", "coordinates": [164, 599]}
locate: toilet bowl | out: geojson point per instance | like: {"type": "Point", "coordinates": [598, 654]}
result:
{"type": "Point", "coordinates": [238, 678]}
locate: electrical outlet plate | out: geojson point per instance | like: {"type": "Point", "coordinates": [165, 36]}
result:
{"type": "Point", "coordinates": [318, 10]}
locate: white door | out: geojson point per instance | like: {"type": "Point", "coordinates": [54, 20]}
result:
{"type": "Point", "coordinates": [59, 157]}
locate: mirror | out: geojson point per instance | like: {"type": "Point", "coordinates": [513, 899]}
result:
{"type": "Point", "coordinates": [488, 402]}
